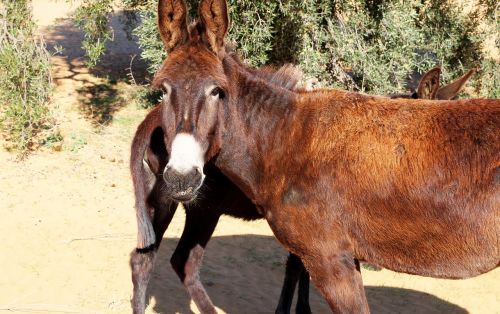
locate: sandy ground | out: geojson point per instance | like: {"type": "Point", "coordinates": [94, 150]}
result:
{"type": "Point", "coordinates": [68, 223]}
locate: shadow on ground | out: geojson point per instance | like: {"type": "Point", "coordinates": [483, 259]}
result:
{"type": "Point", "coordinates": [244, 273]}
{"type": "Point", "coordinates": [96, 87]}
{"type": "Point", "coordinates": [121, 60]}
{"type": "Point", "coordinates": [98, 102]}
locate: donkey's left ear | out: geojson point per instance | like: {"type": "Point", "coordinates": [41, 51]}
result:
{"type": "Point", "coordinates": [429, 84]}
{"type": "Point", "coordinates": [215, 18]}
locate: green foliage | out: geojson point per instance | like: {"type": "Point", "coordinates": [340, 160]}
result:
{"type": "Point", "coordinates": [253, 34]}
{"type": "Point", "coordinates": [149, 38]}
{"type": "Point", "coordinates": [148, 97]}
{"type": "Point", "coordinates": [371, 46]}
{"type": "Point", "coordinates": [374, 55]}
{"type": "Point", "coordinates": [77, 141]}
{"type": "Point", "coordinates": [53, 139]}
{"type": "Point", "coordinates": [376, 46]}
{"type": "Point", "coordinates": [253, 29]}
{"type": "Point", "coordinates": [489, 87]}
{"type": "Point", "coordinates": [25, 80]}
{"type": "Point", "coordinates": [93, 18]}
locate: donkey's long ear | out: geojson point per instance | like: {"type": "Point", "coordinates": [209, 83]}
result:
{"type": "Point", "coordinates": [172, 22]}
{"type": "Point", "coordinates": [215, 18]}
{"type": "Point", "coordinates": [451, 90]}
{"type": "Point", "coordinates": [429, 84]}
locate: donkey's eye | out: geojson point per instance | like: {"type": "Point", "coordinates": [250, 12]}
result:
{"type": "Point", "coordinates": [166, 89]}
{"type": "Point", "coordinates": [217, 92]}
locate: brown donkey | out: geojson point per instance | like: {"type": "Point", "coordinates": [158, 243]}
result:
{"type": "Point", "coordinates": [411, 185]}
{"type": "Point", "coordinates": [202, 216]}
{"type": "Point", "coordinates": [200, 225]}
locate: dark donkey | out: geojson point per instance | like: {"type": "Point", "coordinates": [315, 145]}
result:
{"type": "Point", "coordinates": [202, 216]}
{"type": "Point", "coordinates": [199, 224]}
{"type": "Point", "coordinates": [411, 185]}
{"type": "Point", "coordinates": [429, 88]}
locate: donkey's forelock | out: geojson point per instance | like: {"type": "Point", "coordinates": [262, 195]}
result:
{"type": "Point", "coordinates": [190, 62]}
{"type": "Point", "coordinates": [193, 44]}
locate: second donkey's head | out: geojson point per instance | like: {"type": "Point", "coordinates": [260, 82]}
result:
{"type": "Point", "coordinates": [429, 87]}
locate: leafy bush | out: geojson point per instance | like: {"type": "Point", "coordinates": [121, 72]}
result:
{"type": "Point", "coordinates": [93, 18]}
{"type": "Point", "coordinates": [25, 80]}
{"type": "Point", "coordinates": [489, 87]}
{"type": "Point", "coordinates": [149, 38]}
{"type": "Point", "coordinates": [372, 46]}
{"type": "Point", "coordinates": [378, 46]}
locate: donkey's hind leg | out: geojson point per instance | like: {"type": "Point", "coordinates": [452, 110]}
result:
{"type": "Point", "coordinates": [293, 273]}
{"type": "Point", "coordinates": [187, 258]}
{"type": "Point", "coordinates": [142, 260]}
{"type": "Point", "coordinates": [303, 306]}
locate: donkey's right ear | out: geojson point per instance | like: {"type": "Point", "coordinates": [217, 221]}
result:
{"type": "Point", "coordinates": [429, 84]}
{"type": "Point", "coordinates": [172, 22]}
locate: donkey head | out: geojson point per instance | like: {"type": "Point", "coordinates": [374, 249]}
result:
{"type": "Point", "coordinates": [194, 91]}
{"type": "Point", "coordinates": [428, 87]}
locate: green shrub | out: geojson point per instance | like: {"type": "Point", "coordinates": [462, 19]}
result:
{"type": "Point", "coordinates": [374, 55]}
{"type": "Point", "coordinates": [25, 80]}
{"type": "Point", "coordinates": [93, 18]}
{"type": "Point", "coordinates": [376, 46]}
{"type": "Point", "coordinates": [489, 86]}
{"type": "Point", "coordinates": [149, 38]}
{"type": "Point", "coordinates": [372, 46]}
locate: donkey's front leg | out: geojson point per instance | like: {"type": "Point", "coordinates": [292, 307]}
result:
{"type": "Point", "coordinates": [338, 279]}
{"type": "Point", "coordinates": [188, 256]}
{"type": "Point", "coordinates": [142, 260]}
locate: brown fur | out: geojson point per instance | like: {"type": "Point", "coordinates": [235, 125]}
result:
{"type": "Point", "coordinates": [148, 138]}
{"type": "Point", "coordinates": [151, 199]}
{"type": "Point", "coordinates": [173, 15]}
{"type": "Point", "coordinates": [193, 283]}
{"type": "Point", "coordinates": [216, 20]}
{"type": "Point", "coordinates": [141, 265]}
{"type": "Point", "coordinates": [408, 184]}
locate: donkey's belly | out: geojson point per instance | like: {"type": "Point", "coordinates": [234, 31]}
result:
{"type": "Point", "coordinates": [448, 247]}
{"type": "Point", "coordinates": [468, 265]}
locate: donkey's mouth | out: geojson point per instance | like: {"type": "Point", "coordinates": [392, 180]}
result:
{"type": "Point", "coordinates": [184, 196]}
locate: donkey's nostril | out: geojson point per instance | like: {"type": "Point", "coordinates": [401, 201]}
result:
{"type": "Point", "coordinates": [194, 174]}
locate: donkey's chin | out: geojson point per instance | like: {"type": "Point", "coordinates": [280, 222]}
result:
{"type": "Point", "coordinates": [186, 196]}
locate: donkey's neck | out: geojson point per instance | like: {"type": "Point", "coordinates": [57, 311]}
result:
{"type": "Point", "coordinates": [256, 119]}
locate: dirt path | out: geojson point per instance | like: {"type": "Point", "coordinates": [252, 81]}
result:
{"type": "Point", "coordinates": [68, 223]}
